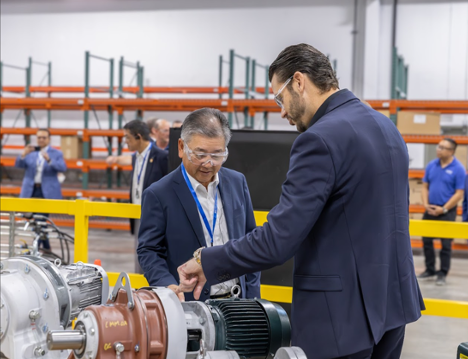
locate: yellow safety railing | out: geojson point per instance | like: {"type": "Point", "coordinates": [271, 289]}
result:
{"type": "Point", "coordinates": [83, 209]}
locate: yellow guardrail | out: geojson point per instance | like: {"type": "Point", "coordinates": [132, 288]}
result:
{"type": "Point", "coordinates": [83, 209]}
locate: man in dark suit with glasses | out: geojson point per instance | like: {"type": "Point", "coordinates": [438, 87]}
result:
{"type": "Point", "coordinates": [199, 204]}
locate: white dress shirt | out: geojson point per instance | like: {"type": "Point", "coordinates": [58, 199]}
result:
{"type": "Point", "coordinates": [137, 188]}
{"type": "Point", "coordinates": [220, 235]}
{"type": "Point", "coordinates": [40, 166]}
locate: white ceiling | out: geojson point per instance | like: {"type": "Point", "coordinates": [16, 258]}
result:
{"type": "Point", "coordinates": [58, 6]}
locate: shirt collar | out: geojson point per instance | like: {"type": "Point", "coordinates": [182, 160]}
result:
{"type": "Point", "coordinates": [324, 107]}
{"type": "Point", "coordinates": [195, 184]}
{"type": "Point", "coordinates": [143, 154]}
{"type": "Point", "coordinates": [450, 164]}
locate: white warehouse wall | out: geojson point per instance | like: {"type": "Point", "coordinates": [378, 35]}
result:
{"type": "Point", "coordinates": [177, 47]}
{"type": "Point", "coordinates": [181, 47]}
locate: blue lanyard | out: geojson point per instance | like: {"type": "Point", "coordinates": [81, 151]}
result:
{"type": "Point", "coordinates": [40, 160]}
{"type": "Point", "coordinates": [200, 209]}
{"type": "Point", "coordinates": [143, 163]}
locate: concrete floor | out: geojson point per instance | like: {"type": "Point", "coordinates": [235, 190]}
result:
{"type": "Point", "coordinates": [430, 337]}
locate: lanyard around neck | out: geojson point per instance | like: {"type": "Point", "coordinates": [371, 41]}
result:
{"type": "Point", "coordinates": [143, 164]}
{"type": "Point", "coordinates": [200, 208]}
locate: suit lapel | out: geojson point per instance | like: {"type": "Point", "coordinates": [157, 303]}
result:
{"type": "Point", "coordinates": [189, 205]}
{"type": "Point", "coordinates": [227, 199]}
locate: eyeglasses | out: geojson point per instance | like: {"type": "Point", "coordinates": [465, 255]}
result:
{"type": "Point", "coordinates": [202, 158]}
{"type": "Point", "coordinates": [444, 148]}
{"type": "Point", "coordinates": [42, 138]}
{"type": "Point", "coordinates": [278, 101]}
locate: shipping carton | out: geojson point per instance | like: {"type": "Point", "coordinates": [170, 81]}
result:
{"type": "Point", "coordinates": [72, 147]}
{"type": "Point", "coordinates": [418, 123]}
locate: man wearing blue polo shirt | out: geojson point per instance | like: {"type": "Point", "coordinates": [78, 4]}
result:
{"type": "Point", "coordinates": [443, 187]}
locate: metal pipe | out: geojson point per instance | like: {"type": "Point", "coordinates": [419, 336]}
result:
{"type": "Point", "coordinates": [86, 147]}
{"type": "Point", "coordinates": [27, 112]}
{"type": "Point", "coordinates": [111, 119]}
{"type": "Point", "coordinates": [220, 75]}
{"type": "Point", "coordinates": [99, 58]}
{"type": "Point", "coordinates": [129, 64]}
{"type": "Point", "coordinates": [267, 94]}
{"type": "Point", "coordinates": [49, 83]}
{"type": "Point", "coordinates": [15, 67]}
{"type": "Point", "coordinates": [11, 247]}
{"type": "Point", "coordinates": [240, 57]}
{"type": "Point", "coordinates": [231, 81]}
{"type": "Point", "coordinates": [28, 78]}
{"type": "Point", "coordinates": [253, 89]}
{"type": "Point", "coordinates": [66, 339]}
{"type": "Point", "coordinates": [40, 63]}
{"type": "Point", "coordinates": [394, 22]}
{"type": "Point", "coordinates": [246, 90]}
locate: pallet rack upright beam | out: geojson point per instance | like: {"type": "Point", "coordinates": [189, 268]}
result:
{"type": "Point", "coordinates": [231, 82]}
{"type": "Point", "coordinates": [109, 108]}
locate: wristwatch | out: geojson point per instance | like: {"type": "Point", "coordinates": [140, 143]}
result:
{"type": "Point", "coordinates": [197, 255]}
{"type": "Point", "coordinates": [445, 210]}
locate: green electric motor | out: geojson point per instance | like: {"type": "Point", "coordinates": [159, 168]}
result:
{"type": "Point", "coordinates": [462, 352]}
{"type": "Point", "coordinates": [255, 329]}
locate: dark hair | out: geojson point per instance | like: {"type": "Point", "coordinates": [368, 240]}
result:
{"type": "Point", "coordinates": [308, 60]}
{"type": "Point", "coordinates": [44, 130]}
{"type": "Point", "coordinates": [452, 142]}
{"type": "Point", "coordinates": [200, 122]}
{"type": "Point", "coordinates": [138, 128]}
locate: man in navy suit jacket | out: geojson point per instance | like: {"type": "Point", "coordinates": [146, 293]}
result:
{"type": "Point", "coordinates": [343, 215]}
{"type": "Point", "coordinates": [200, 204]}
{"type": "Point", "coordinates": [42, 164]}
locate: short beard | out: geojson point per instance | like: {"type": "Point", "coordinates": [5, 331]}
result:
{"type": "Point", "coordinates": [297, 111]}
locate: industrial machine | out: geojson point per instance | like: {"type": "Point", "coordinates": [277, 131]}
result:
{"type": "Point", "coordinates": [153, 323]}
{"type": "Point", "coordinates": [462, 352]}
{"type": "Point", "coordinates": [41, 299]}
{"type": "Point", "coordinates": [19, 227]}
{"type": "Point", "coordinates": [38, 296]}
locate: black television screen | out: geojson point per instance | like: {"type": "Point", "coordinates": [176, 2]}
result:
{"type": "Point", "coordinates": [262, 156]}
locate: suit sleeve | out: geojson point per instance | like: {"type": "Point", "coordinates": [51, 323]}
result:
{"type": "Point", "coordinates": [58, 163]}
{"type": "Point", "coordinates": [20, 162]}
{"type": "Point", "coordinates": [308, 185]}
{"type": "Point", "coordinates": [252, 280]}
{"type": "Point", "coordinates": [152, 247]}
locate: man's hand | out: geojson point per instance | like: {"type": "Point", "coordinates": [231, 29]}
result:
{"type": "Point", "coordinates": [178, 292]}
{"type": "Point", "coordinates": [46, 156]}
{"type": "Point", "coordinates": [435, 211]}
{"type": "Point", "coordinates": [112, 160]}
{"type": "Point", "coordinates": [191, 278]}
{"type": "Point", "coordinates": [27, 150]}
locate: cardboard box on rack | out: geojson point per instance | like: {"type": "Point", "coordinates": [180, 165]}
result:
{"type": "Point", "coordinates": [415, 191]}
{"type": "Point", "coordinates": [418, 123]}
{"type": "Point", "coordinates": [71, 147]}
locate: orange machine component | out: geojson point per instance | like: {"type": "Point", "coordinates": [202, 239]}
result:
{"type": "Point", "coordinates": [143, 327]}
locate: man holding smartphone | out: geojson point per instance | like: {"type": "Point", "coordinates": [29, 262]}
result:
{"type": "Point", "coordinates": [42, 163]}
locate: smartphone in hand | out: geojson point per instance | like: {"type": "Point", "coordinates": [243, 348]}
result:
{"type": "Point", "coordinates": [37, 148]}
